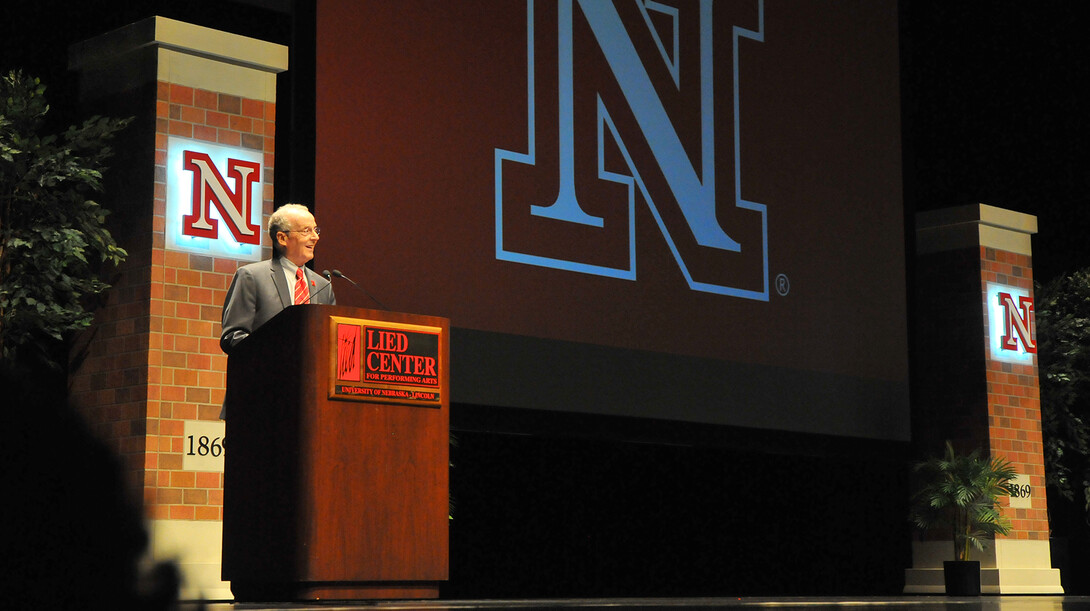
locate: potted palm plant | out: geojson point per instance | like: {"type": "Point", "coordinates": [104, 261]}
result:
{"type": "Point", "coordinates": [960, 493]}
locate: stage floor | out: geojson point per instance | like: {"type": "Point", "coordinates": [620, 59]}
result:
{"type": "Point", "coordinates": [907, 603]}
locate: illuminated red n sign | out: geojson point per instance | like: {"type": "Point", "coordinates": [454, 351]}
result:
{"type": "Point", "coordinates": [210, 189]}
{"type": "Point", "coordinates": [1017, 320]}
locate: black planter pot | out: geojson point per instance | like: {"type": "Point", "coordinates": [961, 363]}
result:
{"type": "Point", "coordinates": [962, 577]}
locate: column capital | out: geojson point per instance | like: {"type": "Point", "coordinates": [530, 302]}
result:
{"type": "Point", "coordinates": [181, 53]}
{"type": "Point", "coordinates": [974, 225]}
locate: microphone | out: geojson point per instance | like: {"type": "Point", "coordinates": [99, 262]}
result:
{"type": "Point", "coordinates": [338, 274]}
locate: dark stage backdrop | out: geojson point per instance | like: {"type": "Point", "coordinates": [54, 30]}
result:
{"type": "Point", "coordinates": [685, 210]}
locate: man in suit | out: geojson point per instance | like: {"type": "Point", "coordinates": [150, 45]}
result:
{"type": "Point", "coordinates": [261, 290]}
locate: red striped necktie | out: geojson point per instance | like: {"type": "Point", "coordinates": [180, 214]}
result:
{"type": "Point", "coordinates": [302, 295]}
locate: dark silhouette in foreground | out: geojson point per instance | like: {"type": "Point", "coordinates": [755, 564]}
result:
{"type": "Point", "coordinates": [71, 537]}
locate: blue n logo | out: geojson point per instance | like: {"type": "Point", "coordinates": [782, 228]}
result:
{"type": "Point", "coordinates": [646, 91]}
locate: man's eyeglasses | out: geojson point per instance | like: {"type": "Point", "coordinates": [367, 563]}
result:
{"type": "Point", "coordinates": [307, 231]}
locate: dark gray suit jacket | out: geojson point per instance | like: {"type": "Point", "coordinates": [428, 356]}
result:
{"type": "Point", "coordinates": [258, 292]}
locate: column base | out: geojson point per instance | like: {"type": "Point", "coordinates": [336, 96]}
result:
{"type": "Point", "coordinates": [1007, 567]}
{"type": "Point", "coordinates": [195, 547]}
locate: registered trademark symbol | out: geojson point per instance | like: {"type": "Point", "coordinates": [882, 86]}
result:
{"type": "Point", "coordinates": [783, 285]}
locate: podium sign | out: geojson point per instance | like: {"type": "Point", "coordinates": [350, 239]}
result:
{"type": "Point", "coordinates": [375, 360]}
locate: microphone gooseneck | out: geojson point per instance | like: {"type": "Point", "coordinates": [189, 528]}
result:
{"type": "Point", "coordinates": [338, 274]}
{"type": "Point", "coordinates": [319, 291]}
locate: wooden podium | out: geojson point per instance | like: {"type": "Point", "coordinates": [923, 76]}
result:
{"type": "Point", "coordinates": [336, 473]}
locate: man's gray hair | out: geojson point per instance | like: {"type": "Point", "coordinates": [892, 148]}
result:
{"type": "Point", "coordinates": [278, 221]}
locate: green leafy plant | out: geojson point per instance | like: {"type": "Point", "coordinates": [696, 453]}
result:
{"type": "Point", "coordinates": [1063, 347]}
{"type": "Point", "coordinates": [961, 492]}
{"type": "Point", "coordinates": [53, 240]}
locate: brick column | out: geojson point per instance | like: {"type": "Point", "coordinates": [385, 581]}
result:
{"type": "Point", "coordinates": [977, 385]}
{"type": "Point", "coordinates": [152, 377]}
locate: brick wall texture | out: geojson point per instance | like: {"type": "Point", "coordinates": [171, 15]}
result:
{"type": "Point", "coordinates": [1014, 401]}
{"type": "Point", "coordinates": [154, 360]}
{"type": "Point", "coordinates": [961, 393]}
